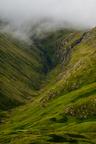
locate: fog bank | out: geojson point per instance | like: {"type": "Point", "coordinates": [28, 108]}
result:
{"type": "Point", "coordinates": [27, 15]}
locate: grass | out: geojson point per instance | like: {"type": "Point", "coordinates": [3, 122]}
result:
{"type": "Point", "coordinates": [79, 70]}
{"type": "Point", "coordinates": [20, 72]}
{"type": "Point", "coordinates": [56, 116]}
{"type": "Point", "coordinates": [61, 102]}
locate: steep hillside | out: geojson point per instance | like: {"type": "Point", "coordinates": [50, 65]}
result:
{"type": "Point", "coordinates": [24, 68]}
{"type": "Point", "coordinates": [62, 69]}
{"type": "Point", "coordinates": [21, 71]}
{"type": "Point", "coordinates": [77, 65]}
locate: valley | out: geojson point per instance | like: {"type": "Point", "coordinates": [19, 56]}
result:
{"type": "Point", "coordinates": [48, 88]}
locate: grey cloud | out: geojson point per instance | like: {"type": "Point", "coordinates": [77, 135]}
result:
{"type": "Point", "coordinates": [23, 14]}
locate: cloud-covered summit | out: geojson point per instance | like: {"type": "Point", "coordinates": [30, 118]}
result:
{"type": "Point", "coordinates": [25, 13]}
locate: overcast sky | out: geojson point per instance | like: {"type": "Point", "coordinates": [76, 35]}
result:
{"type": "Point", "coordinates": [81, 13]}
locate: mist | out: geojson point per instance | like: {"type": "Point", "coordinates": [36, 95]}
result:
{"type": "Point", "coordinates": [24, 16]}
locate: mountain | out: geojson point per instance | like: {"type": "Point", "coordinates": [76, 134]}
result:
{"type": "Point", "coordinates": [21, 71]}
{"type": "Point", "coordinates": [48, 88]}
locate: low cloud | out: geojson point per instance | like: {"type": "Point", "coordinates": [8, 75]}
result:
{"type": "Point", "coordinates": [27, 15]}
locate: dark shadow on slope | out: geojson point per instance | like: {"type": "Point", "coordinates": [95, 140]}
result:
{"type": "Point", "coordinates": [70, 138]}
{"type": "Point", "coordinates": [58, 139]}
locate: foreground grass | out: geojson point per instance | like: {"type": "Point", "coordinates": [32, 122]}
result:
{"type": "Point", "coordinates": [55, 122]}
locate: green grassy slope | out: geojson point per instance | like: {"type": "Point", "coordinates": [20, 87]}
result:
{"type": "Point", "coordinates": [69, 118]}
{"type": "Point", "coordinates": [80, 68]}
{"type": "Point", "coordinates": [23, 68]}
{"type": "Point", "coordinates": [21, 71]}
{"type": "Point", "coordinates": [65, 109]}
